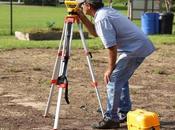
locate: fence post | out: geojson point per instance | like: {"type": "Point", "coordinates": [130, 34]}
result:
{"type": "Point", "coordinates": [11, 17]}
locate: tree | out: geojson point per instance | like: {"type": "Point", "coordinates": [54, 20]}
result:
{"type": "Point", "coordinates": [169, 5]}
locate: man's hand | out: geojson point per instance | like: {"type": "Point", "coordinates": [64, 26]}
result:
{"type": "Point", "coordinates": [112, 57]}
{"type": "Point", "coordinates": [107, 76]}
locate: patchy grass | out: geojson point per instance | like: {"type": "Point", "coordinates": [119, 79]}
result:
{"type": "Point", "coordinates": [9, 42]}
{"type": "Point", "coordinates": [27, 18]}
{"type": "Point", "coordinates": [160, 71]}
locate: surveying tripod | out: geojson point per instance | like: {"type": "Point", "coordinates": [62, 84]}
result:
{"type": "Point", "coordinates": [59, 76]}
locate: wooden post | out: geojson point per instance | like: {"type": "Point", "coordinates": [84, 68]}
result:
{"type": "Point", "coordinates": [131, 10]}
{"type": "Point", "coordinates": [152, 5]}
{"type": "Point", "coordinates": [160, 6]}
{"type": "Point", "coordinates": [128, 12]}
{"type": "Point", "coordinates": [145, 6]}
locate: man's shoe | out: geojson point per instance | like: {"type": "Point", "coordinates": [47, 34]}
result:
{"type": "Point", "coordinates": [106, 124]}
{"type": "Point", "coordinates": [99, 110]}
{"type": "Point", "coordinates": [122, 117]}
{"type": "Point", "coordinates": [123, 120]}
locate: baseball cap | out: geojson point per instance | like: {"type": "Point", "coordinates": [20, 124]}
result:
{"type": "Point", "coordinates": [89, 1]}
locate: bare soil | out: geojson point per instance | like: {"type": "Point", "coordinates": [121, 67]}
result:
{"type": "Point", "coordinates": [25, 79]}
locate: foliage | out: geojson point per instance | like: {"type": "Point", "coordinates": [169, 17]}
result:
{"type": "Point", "coordinates": [116, 1]}
{"type": "Point", "coordinates": [8, 0]}
{"type": "Point", "coordinates": [50, 24]}
{"type": "Point", "coordinates": [41, 2]}
{"type": "Point", "coordinates": [173, 6]}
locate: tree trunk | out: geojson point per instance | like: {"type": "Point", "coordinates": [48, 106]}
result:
{"type": "Point", "coordinates": [110, 3]}
{"type": "Point", "coordinates": [168, 5]}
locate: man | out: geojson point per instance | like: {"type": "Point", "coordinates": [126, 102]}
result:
{"type": "Point", "coordinates": [123, 38]}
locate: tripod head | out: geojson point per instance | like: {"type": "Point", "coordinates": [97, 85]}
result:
{"type": "Point", "coordinates": [71, 5]}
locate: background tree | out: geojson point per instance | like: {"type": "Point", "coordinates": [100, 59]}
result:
{"type": "Point", "coordinates": [169, 4]}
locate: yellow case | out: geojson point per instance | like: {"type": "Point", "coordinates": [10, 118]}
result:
{"type": "Point", "coordinates": [142, 120]}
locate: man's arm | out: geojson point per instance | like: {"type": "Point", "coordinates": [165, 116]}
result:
{"type": "Point", "coordinates": [112, 57]}
{"type": "Point", "coordinates": [88, 24]}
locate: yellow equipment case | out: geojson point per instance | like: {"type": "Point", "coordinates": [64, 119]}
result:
{"type": "Point", "coordinates": [142, 120]}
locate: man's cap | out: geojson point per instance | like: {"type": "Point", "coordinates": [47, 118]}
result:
{"type": "Point", "coordinates": [90, 1]}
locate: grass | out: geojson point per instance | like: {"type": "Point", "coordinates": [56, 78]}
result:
{"type": "Point", "coordinates": [30, 17]}
{"type": "Point", "coordinates": [36, 17]}
{"type": "Point", "coordinates": [163, 39]}
{"type": "Point", "coordinates": [9, 42]}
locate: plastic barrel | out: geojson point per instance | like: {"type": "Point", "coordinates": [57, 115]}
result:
{"type": "Point", "coordinates": [150, 23]}
{"type": "Point", "coordinates": [157, 23]}
{"type": "Point", "coordinates": [166, 23]}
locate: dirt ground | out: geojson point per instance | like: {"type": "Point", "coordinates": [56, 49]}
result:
{"type": "Point", "coordinates": [25, 79]}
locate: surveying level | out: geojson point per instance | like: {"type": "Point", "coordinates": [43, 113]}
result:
{"type": "Point", "coordinates": [71, 5]}
{"type": "Point", "coordinates": [59, 75]}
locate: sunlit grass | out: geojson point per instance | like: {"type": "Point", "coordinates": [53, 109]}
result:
{"type": "Point", "coordinates": [27, 18]}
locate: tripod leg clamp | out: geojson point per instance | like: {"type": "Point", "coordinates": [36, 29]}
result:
{"type": "Point", "coordinates": [63, 83]}
{"type": "Point", "coordinates": [94, 84]}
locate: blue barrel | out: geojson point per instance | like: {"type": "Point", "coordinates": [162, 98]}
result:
{"type": "Point", "coordinates": [150, 23]}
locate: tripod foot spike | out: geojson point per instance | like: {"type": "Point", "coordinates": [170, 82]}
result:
{"type": "Point", "coordinates": [45, 116]}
